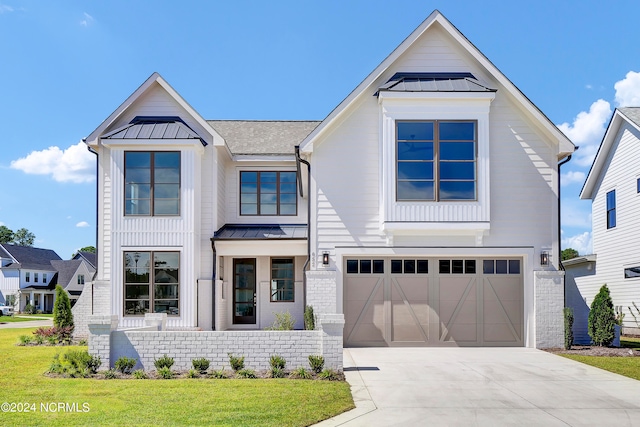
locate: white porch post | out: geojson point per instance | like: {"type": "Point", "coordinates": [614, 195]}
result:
{"type": "Point", "coordinates": [41, 301]}
{"type": "Point", "coordinates": [31, 301]}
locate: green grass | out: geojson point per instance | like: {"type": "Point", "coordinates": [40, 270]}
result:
{"type": "Point", "coordinates": [13, 319]}
{"type": "Point", "coordinates": [273, 402]}
{"type": "Point", "coordinates": [627, 366]}
{"type": "Point", "coordinates": [50, 316]}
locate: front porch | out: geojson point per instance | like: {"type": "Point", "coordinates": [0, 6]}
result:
{"type": "Point", "coordinates": [41, 299]}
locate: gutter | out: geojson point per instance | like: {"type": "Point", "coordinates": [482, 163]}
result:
{"type": "Point", "coordinates": [306, 263]}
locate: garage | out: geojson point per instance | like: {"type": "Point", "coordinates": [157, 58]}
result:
{"type": "Point", "coordinates": [433, 301]}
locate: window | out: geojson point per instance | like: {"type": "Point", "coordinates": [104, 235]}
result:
{"type": "Point", "coordinates": [282, 280]}
{"type": "Point", "coordinates": [436, 160]}
{"type": "Point", "coordinates": [365, 266]}
{"type": "Point", "coordinates": [632, 272]}
{"type": "Point", "coordinates": [611, 209]}
{"type": "Point", "coordinates": [151, 283]}
{"type": "Point", "coordinates": [268, 193]}
{"type": "Point", "coordinates": [80, 279]}
{"type": "Point", "coordinates": [35, 277]}
{"type": "Point", "coordinates": [409, 266]}
{"type": "Point", "coordinates": [457, 266]}
{"type": "Point", "coordinates": [638, 185]}
{"type": "Point", "coordinates": [44, 277]}
{"type": "Point", "coordinates": [501, 266]}
{"type": "Point", "coordinates": [152, 183]}
{"type": "Point", "coordinates": [27, 277]}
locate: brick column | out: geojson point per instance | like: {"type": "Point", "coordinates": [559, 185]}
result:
{"type": "Point", "coordinates": [548, 303]}
{"type": "Point", "coordinates": [332, 326]}
{"type": "Point", "coordinates": [100, 328]}
{"type": "Point", "coordinates": [322, 291]}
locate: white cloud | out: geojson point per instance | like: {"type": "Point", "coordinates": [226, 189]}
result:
{"type": "Point", "coordinates": [628, 90]}
{"type": "Point", "coordinates": [587, 130]}
{"type": "Point", "coordinates": [572, 177]}
{"type": "Point", "coordinates": [588, 87]}
{"type": "Point", "coordinates": [88, 20]}
{"type": "Point", "coordinates": [582, 243]}
{"type": "Point", "coordinates": [75, 164]}
{"type": "Point", "coordinates": [5, 8]}
{"type": "Point", "coordinates": [82, 224]}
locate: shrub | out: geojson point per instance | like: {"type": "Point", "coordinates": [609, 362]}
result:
{"type": "Point", "coordinates": [309, 318]}
{"type": "Point", "coordinates": [568, 328]}
{"type": "Point", "coordinates": [55, 334]}
{"type": "Point", "coordinates": [276, 372]}
{"type": "Point", "coordinates": [619, 316]}
{"type": "Point", "coordinates": [24, 339]}
{"type": "Point", "coordinates": [316, 363]}
{"type": "Point", "coordinates": [78, 359]}
{"type": "Point", "coordinates": [75, 363]}
{"type": "Point", "coordinates": [126, 364]}
{"type": "Point", "coordinates": [635, 315]}
{"type": "Point", "coordinates": [164, 362]}
{"type": "Point", "coordinates": [62, 315]}
{"type": "Point", "coordinates": [300, 373]}
{"type": "Point", "coordinates": [220, 374]}
{"type": "Point", "coordinates": [284, 322]}
{"type": "Point", "coordinates": [139, 374]}
{"type": "Point", "coordinates": [277, 361]}
{"type": "Point", "coordinates": [201, 365]}
{"type": "Point", "coordinates": [165, 373]}
{"type": "Point", "coordinates": [29, 309]}
{"type": "Point", "coordinates": [38, 339]}
{"type": "Point", "coordinates": [329, 375]}
{"type": "Point", "coordinates": [110, 374]}
{"type": "Point", "coordinates": [193, 373]}
{"type": "Point", "coordinates": [52, 340]}
{"type": "Point", "coordinates": [246, 373]}
{"type": "Point", "coordinates": [83, 342]}
{"type": "Point", "coordinates": [236, 362]}
{"type": "Point", "coordinates": [602, 318]}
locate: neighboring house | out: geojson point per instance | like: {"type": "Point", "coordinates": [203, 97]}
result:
{"type": "Point", "coordinates": [33, 273]}
{"type": "Point", "coordinates": [613, 186]}
{"type": "Point", "coordinates": [89, 257]}
{"type": "Point", "coordinates": [429, 216]}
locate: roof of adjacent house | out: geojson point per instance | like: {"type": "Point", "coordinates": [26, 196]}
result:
{"type": "Point", "coordinates": [434, 82]}
{"type": "Point", "coordinates": [261, 232]}
{"type": "Point", "coordinates": [90, 257]}
{"type": "Point", "coordinates": [30, 257]}
{"type": "Point", "coordinates": [632, 113]}
{"type": "Point", "coordinates": [66, 273]}
{"type": "Point", "coordinates": [266, 137]}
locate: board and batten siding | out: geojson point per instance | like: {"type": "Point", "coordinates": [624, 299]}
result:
{"type": "Point", "coordinates": [617, 248]}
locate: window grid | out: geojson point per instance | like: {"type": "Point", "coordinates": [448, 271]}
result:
{"type": "Point", "coordinates": [271, 193]}
{"type": "Point", "coordinates": [151, 282]}
{"type": "Point", "coordinates": [282, 280]}
{"type": "Point", "coordinates": [611, 209]}
{"type": "Point", "coordinates": [152, 183]}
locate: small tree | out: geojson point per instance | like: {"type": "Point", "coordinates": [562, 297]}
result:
{"type": "Point", "coordinates": [62, 315]}
{"type": "Point", "coordinates": [568, 328]}
{"type": "Point", "coordinates": [569, 253]}
{"type": "Point", "coordinates": [602, 318]}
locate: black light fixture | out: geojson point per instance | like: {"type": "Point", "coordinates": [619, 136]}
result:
{"type": "Point", "coordinates": [325, 258]}
{"type": "Point", "coordinates": [544, 258]}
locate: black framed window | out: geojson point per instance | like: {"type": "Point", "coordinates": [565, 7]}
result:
{"type": "Point", "coordinates": [436, 160]}
{"type": "Point", "coordinates": [501, 266]}
{"type": "Point", "coordinates": [268, 193]}
{"type": "Point", "coordinates": [611, 209]}
{"type": "Point", "coordinates": [151, 283]}
{"type": "Point", "coordinates": [152, 183]}
{"type": "Point", "coordinates": [632, 272]}
{"type": "Point", "coordinates": [80, 279]}
{"type": "Point", "coordinates": [282, 280]}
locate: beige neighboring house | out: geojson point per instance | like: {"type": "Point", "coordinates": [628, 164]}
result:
{"type": "Point", "coordinates": [423, 210]}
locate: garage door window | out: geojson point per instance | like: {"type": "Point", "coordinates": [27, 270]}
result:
{"type": "Point", "coordinates": [501, 266]}
{"type": "Point", "coordinates": [409, 266]}
{"type": "Point", "coordinates": [457, 266]}
{"type": "Point", "coordinates": [365, 266]}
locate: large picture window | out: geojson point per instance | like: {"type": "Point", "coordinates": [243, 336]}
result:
{"type": "Point", "coordinates": [436, 160]}
{"type": "Point", "coordinates": [151, 283]}
{"type": "Point", "coordinates": [282, 280]}
{"type": "Point", "coordinates": [152, 183]}
{"type": "Point", "coordinates": [268, 193]}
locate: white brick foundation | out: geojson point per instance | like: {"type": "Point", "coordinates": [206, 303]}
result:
{"type": "Point", "coordinates": [549, 303]}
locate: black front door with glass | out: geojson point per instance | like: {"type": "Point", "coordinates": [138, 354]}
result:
{"type": "Point", "coordinates": [244, 291]}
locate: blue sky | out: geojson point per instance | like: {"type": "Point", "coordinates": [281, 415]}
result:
{"type": "Point", "coordinates": [65, 66]}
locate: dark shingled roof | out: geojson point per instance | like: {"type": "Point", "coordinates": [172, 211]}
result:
{"type": "Point", "coordinates": [434, 82]}
{"type": "Point", "coordinates": [29, 257]}
{"type": "Point", "coordinates": [90, 257]}
{"type": "Point", "coordinates": [66, 273]}
{"type": "Point", "coordinates": [261, 232]}
{"type": "Point", "coordinates": [263, 137]}
{"type": "Point", "coordinates": [632, 113]}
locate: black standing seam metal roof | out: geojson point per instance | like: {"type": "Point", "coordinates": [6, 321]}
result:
{"type": "Point", "coordinates": [261, 232]}
{"type": "Point", "coordinates": [434, 82]}
{"type": "Point", "coordinates": [143, 127]}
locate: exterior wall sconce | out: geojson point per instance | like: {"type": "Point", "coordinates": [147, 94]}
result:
{"type": "Point", "coordinates": [544, 258]}
{"type": "Point", "coordinates": [325, 258]}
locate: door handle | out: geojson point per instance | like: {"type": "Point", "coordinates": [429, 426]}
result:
{"type": "Point", "coordinates": [255, 299]}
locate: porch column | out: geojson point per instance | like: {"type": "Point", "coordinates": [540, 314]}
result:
{"type": "Point", "coordinates": [41, 301]}
{"type": "Point", "coordinates": [31, 301]}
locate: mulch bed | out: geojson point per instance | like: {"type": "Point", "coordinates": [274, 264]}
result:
{"type": "Point", "coordinates": [594, 350]}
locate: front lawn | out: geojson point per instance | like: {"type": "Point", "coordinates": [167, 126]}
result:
{"type": "Point", "coordinates": [271, 402]}
{"type": "Point", "coordinates": [18, 318]}
{"type": "Point", "coordinates": [627, 366]}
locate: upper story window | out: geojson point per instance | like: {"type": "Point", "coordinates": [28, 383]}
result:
{"type": "Point", "coordinates": [152, 183]}
{"type": "Point", "coordinates": [638, 185]}
{"type": "Point", "coordinates": [268, 193]}
{"type": "Point", "coordinates": [35, 277]}
{"type": "Point", "coordinates": [44, 277]}
{"type": "Point", "coordinates": [27, 277]}
{"type": "Point", "coordinates": [80, 279]}
{"type": "Point", "coordinates": [436, 160]}
{"type": "Point", "coordinates": [611, 209]}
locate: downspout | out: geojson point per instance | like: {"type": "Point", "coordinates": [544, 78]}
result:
{"type": "Point", "coordinates": [213, 285]}
{"type": "Point", "coordinates": [560, 266]}
{"type": "Point", "coordinates": [306, 263]}
{"type": "Point", "coordinates": [91, 150]}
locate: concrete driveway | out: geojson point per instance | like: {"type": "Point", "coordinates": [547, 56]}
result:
{"type": "Point", "coordinates": [484, 387]}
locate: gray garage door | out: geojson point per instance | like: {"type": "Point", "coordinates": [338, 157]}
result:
{"type": "Point", "coordinates": [433, 302]}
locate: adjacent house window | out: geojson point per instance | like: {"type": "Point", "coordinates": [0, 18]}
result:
{"type": "Point", "coordinates": [35, 277]}
{"type": "Point", "coordinates": [638, 185]}
{"type": "Point", "coordinates": [27, 277]}
{"type": "Point", "coordinates": [282, 280]}
{"type": "Point", "coordinates": [151, 283]}
{"type": "Point", "coordinates": [268, 193]}
{"type": "Point", "coordinates": [44, 277]}
{"type": "Point", "coordinates": [436, 160]}
{"type": "Point", "coordinates": [152, 183]}
{"type": "Point", "coordinates": [80, 279]}
{"type": "Point", "coordinates": [611, 209]}
{"type": "Point", "coordinates": [632, 272]}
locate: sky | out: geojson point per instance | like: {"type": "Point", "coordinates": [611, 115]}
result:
{"type": "Point", "coordinates": [66, 66]}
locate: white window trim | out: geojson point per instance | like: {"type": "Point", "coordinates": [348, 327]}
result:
{"type": "Point", "coordinates": [428, 217]}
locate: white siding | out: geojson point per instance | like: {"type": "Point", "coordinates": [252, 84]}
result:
{"type": "Point", "coordinates": [9, 283]}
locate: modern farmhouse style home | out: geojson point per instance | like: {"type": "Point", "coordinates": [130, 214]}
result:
{"type": "Point", "coordinates": [422, 211]}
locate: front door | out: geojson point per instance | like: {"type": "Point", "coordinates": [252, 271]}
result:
{"type": "Point", "coordinates": [244, 291]}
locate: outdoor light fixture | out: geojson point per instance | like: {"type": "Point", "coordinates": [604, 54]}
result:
{"type": "Point", "coordinates": [544, 258]}
{"type": "Point", "coordinates": [325, 258]}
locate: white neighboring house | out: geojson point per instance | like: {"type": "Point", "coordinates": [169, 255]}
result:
{"type": "Point", "coordinates": [431, 217]}
{"type": "Point", "coordinates": [613, 185]}
{"type": "Point", "coordinates": [31, 274]}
